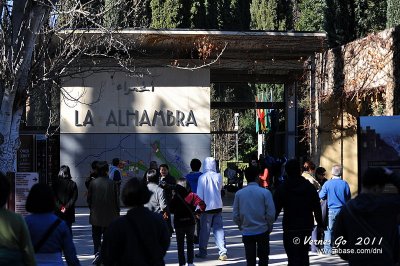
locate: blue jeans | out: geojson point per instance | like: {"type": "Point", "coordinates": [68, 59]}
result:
{"type": "Point", "coordinates": [214, 220]}
{"type": "Point", "coordinates": [328, 232]}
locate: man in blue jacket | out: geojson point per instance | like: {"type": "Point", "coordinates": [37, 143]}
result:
{"type": "Point", "coordinates": [254, 213]}
{"type": "Point", "coordinates": [337, 192]}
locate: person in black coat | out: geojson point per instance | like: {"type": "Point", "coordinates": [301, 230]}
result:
{"type": "Point", "coordinates": [66, 194]}
{"type": "Point", "coordinates": [138, 238]}
{"type": "Point", "coordinates": [299, 199]}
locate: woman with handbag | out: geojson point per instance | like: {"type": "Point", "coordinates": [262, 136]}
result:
{"type": "Point", "coordinates": [185, 205]}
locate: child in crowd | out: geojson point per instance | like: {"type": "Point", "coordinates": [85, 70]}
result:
{"type": "Point", "coordinates": [185, 205]}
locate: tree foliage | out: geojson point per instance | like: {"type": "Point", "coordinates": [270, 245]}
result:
{"type": "Point", "coordinates": [370, 16]}
{"type": "Point", "coordinates": [393, 13]}
{"type": "Point", "coordinates": [340, 22]}
{"type": "Point", "coordinates": [311, 15]}
{"type": "Point", "coordinates": [264, 15]}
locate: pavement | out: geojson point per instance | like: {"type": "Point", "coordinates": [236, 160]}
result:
{"type": "Point", "coordinates": [84, 245]}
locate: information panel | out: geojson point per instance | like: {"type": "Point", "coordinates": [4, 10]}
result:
{"type": "Point", "coordinates": [23, 184]}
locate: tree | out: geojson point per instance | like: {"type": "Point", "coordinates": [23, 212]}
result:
{"type": "Point", "coordinates": [167, 14]}
{"type": "Point", "coordinates": [37, 52]}
{"type": "Point", "coordinates": [393, 13]}
{"type": "Point", "coordinates": [339, 22]}
{"type": "Point", "coordinates": [311, 16]}
{"type": "Point", "coordinates": [370, 16]}
{"type": "Point", "coordinates": [264, 15]}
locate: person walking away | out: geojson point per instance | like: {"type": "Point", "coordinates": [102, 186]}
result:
{"type": "Point", "coordinates": [300, 202]}
{"type": "Point", "coordinates": [15, 243]}
{"type": "Point", "coordinates": [157, 202]}
{"type": "Point", "coordinates": [66, 194]}
{"type": "Point", "coordinates": [368, 224]}
{"type": "Point", "coordinates": [103, 204]}
{"type": "Point", "coordinates": [50, 235]}
{"type": "Point", "coordinates": [115, 174]}
{"type": "Point", "coordinates": [309, 174]}
{"type": "Point", "coordinates": [318, 232]}
{"type": "Point", "coordinates": [193, 176]}
{"type": "Point", "coordinates": [183, 206]}
{"type": "Point", "coordinates": [254, 213]}
{"type": "Point", "coordinates": [264, 176]}
{"type": "Point", "coordinates": [92, 174]}
{"type": "Point", "coordinates": [167, 182]}
{"type": "Point", "coordinates": [138, 238]}
{"type": "Point", "coordinates": [209, 189]}
{"type": "Point", "coordinates": [153, 165]}
{"type": "Point", "coordinates": [337, 192]}
{"type": "Point", "coordinates": [193, 180]}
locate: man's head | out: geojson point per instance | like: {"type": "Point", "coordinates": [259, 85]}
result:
{"type": "Point", "coordinates": [374, 180]}
{"type": "Point", "coordinates": [251, 173]}
{"type": "Point", "coordinates": [195, 165]}
{"type": "Point", "coordinates": [164, 170]}
{"type": "Point", "coordinates": [115, 161]}
{"type": "Point", "coordinates": [153, 165]}
{"type": "Point", "coordinates": [337, 170]}
{"type": "Point", "coordinates": [135, 193]}
{"type": "Point", "coordinates": [292, 168]}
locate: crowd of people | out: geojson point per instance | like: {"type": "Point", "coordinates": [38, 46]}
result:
{"type": "Point", "coordinates": [317, 211]}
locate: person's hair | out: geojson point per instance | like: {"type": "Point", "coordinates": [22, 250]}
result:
{"type": "Point", "coordinates": [337, 170]}
{"type": "Point", "coordinates": [115, 161]}
{"type": "Point", "coordinates": [40, 199]}
{"type": "Point", "coordinates": [309, 165]}
{"type": "Point", "coordinates": [164, 165]}
{"type": "Point", "coordinates": [102, 168]}
{"type": "Point", "coordinates": [251, 173]}
{"type": "Point", "coordinates": [184, 183]}
{"type": "Point", "coordinates": [152, 176]}
{"type": "Point", "coordinates": [64, 172]}
{"type": "Point", "coordinates": [374, 176]}
{"type": "Point", "coordinates": [292, 168]}
{"type": "Point", "coordinates": [195, 164]}
{"type": "Point", "coordinates": [4, 189]}
{"type": "Point", "coordinates": [135, 193]}
{"type": "Point", "coordinates": [94, 165]}
{"type": "Point", "coordinates": [320, 171]}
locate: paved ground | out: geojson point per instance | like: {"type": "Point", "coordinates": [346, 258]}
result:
{"type": "Point", "coordinates": [84, 245]}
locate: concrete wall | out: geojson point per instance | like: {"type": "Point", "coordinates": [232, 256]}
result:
{"type": "Point", "coordinates": [162, 114]}
{"type": "Point", "coordinates": [349, 81]}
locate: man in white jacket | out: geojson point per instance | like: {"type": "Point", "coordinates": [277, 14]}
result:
{"type": "Point", "coordinates": [209, 189]}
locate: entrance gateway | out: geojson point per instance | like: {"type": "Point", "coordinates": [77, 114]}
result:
{"type": "Point", "coordinates": [162, 112]}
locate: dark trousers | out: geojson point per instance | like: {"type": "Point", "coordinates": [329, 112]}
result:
{"type": "Point", "coordinates": [187, 231]}
{"type": "Point", "coordinates": [256, 246]}
{"type": "Point", "coordinates": [97, 234]}
{"type": "Point", "coordinates": [296, 248]}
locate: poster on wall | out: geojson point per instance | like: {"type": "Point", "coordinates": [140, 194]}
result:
{"type": "Point", "coordinates": [378, 144]}
{"type": "Point", "coordinates": [24, 181]}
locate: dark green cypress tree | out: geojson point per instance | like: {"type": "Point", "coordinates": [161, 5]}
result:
{"type": "Point", "coordinates": [198, 14]}
{"type": "Point", "coordinates": [339, 22]}
{"type": "Point", "coordinates": [370, 16]}
{"type": "Point", "coordinates": [393, 13]}
{"type": "Point", "coordinates": [311, 15]}
{"type": "Point", "coordinates": [264, 15]}
{"type": "Point", "coordinates": [167, 14]}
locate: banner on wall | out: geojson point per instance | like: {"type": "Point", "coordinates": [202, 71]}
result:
{"type": "Point", "coordinates": [163, 100]}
